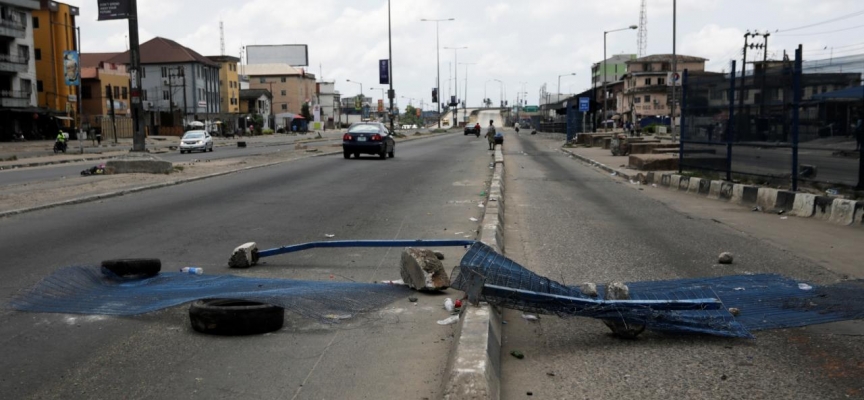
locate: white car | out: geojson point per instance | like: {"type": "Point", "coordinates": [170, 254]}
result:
{"type": "Point", "coordinates": [196, 140]}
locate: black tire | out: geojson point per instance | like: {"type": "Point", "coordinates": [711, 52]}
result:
{"type": "Point", "coordinates": [356, 155]}
{"type": "Point", "coordinates": [229, 317]}
{"type": "Point", "coordinates": [182, 151]}
{"type": "Point", "coordinates": [392, 152]}
{"type": "Point", "coordinates": [346, 154]}
{"type": "Point", "coordinates": [133, 267]}
{"type": "Point", "coordinates": [383, 153]}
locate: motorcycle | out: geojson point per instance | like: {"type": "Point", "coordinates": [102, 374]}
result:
{"type": "Point", "coordinates": [59, 146]}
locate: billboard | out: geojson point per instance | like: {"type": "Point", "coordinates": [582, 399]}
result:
{"type": "Point", "coordinates": [384, 72]}
{"type": "Point", "coordinates": [295, 55]}
{"type": "Point", "coordinates": [71, 71]}
{"type": "Point", "coordinates": [114, 9]}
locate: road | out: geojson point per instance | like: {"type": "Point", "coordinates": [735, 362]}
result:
{"type": "Point", "coordinates": [568, 222]}
{"type": "Point", "coordinates": [430, 190]}
{"type": "Point", "coordinates": [58, 171]}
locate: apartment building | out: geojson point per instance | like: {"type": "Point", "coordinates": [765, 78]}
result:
{"type": "Point", "coordinates": [18, 113]}
{"type": "Point", "coordinates": [54, 32]}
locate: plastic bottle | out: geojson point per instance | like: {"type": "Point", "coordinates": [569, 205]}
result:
{"type": "Point", "coordinates": [192, 270]}
{"type": "Point", "coordinates": [448, 304]}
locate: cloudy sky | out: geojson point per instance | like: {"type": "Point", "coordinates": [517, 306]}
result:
{"type": "Point", "coordinates": [522, 43]}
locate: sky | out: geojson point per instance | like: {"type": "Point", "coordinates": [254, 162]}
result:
{"type": "Point", "coordinates": [524, 44]}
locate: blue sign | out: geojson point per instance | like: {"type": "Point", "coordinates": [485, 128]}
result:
{"type": "Point", "coordinates": [584, 104]}
{"type": "Point", "coordinates": [71, 70]}
{"type": "Point", "coordinates": [384, 72]}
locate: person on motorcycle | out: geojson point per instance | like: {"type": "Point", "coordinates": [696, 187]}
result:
{"type": "Point", "coordinates": [490, 134]}
{"type": "Point", "coordinates": [477, 129]}
{"type": "Point", "coordinates": [61, 141]}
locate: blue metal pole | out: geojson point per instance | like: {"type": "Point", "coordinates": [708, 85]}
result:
{"type": "Point", "coordinates": [365, 243]}
{"type": "Point", "coordinates": [682, 126]}
{"type": "Point", "coordinates": [729, 123]}
{"type": "Point", "coordinates": [796, 107]}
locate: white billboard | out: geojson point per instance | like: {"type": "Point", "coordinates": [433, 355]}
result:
{"type": "Point", "coordinates": [296, 55]}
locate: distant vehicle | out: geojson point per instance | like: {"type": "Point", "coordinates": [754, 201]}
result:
{"type": "Point", "coordinates": [196, 141]}
{"type": "Point", "coordinates": [368, 138]}
{"type": "Point", "coordinates": [472, 130]}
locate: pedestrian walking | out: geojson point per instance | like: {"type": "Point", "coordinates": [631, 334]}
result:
{"type": "Point", "coordinates": [490, 134]}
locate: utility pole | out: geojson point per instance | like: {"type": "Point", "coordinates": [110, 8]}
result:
{"type": "Point", "coordinates": [438, 63]}
{"type": "Point", "coordinates": [740, 124]}
{"type": "Point", "coordinates": [138, 138]}
{"type": "Point", "coordinates": [764, 72]}
{"type": "Point", "coordinates": [674, 65]}
{"type": "Point", "coordinates": [391, 93]}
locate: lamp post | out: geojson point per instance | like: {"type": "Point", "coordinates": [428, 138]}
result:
{"type": "Point", "coordinates": [456, 81]}
{"type": "Point", "coordinates": [465, 99]}
{"type": "Point", "coordinates": [362, 97]}
{"type": "Point", "coordinates": [559, 84]}
{"type": "Point", "coordinates": [604, 68]}
{"type": "Point", "coordinates": [501, 96]}
{"type": "Point", "coordinates": [438, 62]}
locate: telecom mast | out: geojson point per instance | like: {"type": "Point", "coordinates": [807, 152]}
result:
{"type": "Point", "coordinates": [222, 37]}
{"type": "Point", "coordinates": [643, 30]}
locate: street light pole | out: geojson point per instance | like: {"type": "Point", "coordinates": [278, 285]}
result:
{"type": "Point", "coordinates": [456, 81]}
{"type": "Point", "coordinates": [390, 94]}
{"type": "Point", "coordinates": [604, 68]}
{"type": "Point", "coordinates": [465, 99]}
{"type": "Point", "coordinates": [559, 84]}
{"type": "Point", "coordinates": [362, 97]}
{"type": "Point", "coordinates": [501, 95]}
{"type": "Point", "coordinates": [438, 63]}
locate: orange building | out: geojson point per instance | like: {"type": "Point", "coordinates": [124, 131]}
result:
{"type": "Point", "coordinates": [54, 31]}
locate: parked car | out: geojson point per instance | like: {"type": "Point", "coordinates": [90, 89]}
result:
{"type": "Point", "coordinates": [368, 138]}
{"type": "Point", "coordinates": [472, 130]}
{"type": "Point", "coordinates": [196, 141]}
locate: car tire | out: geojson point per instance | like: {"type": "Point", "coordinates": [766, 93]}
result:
{"type": "Point", "coordinates": [383, 154]}
{"type": "Point", "coordinates": [356, 155]}
{"type": "Point", "coordinates": [230, 317]}
{"type": "Point", "coordinates": [138, 268]}
{"type": "Point", "coordinates": [346, 154]}
{"type": "Point", "coordinates": [392, 152]}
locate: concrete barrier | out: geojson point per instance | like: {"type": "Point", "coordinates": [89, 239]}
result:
{"type": "Point", "coordinates": [714, 189]}
{"type": "Point", "coordinates": [766, 198]}
{"type": "Point", "coordinates": [674, 182]}
{"type": "Point", "coordinates": [823, 205]}
{"type": "Point", "coordinates": [804, 205]}
{"type": "Point", "coordinates": [843, 211]}
{"type": "Point", "coordinates": [694, 185]}
{"type": "Point", "coordinates": [684, 183]}
{"type": "Point", "coordinates": [726, 190]}
{"type": "Point", "coordinates": [859, 214]}
{"type": "Point", "coordinates": [666, 180]}
{"type": "Point", "coordinates": [475, 362]}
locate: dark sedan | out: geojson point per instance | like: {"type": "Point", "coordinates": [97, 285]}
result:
{"type": "Point", "coordinates": [368, 138]}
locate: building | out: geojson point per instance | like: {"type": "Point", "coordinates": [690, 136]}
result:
{"type": "Point", "coordinates": [291, 87]}
{"type": "Point", "coordinates": [101, 84]}
{"type": "Point", "coordinates": [616, 67]}
{"type": "Point", "coordinates": [54, 32]}
{"type": "Point", "coordinates": [229, 83]}
{"type": "Point", "coordinates": [18, 97]}
{"type": "Point", "coordinates": [646, 89]}
{"type": "Point", "coordinates": [256, 101]}
{"type": "Point", "coordinates": [178, 85]}
{"type": "Point", "coordinates": [328, 101]}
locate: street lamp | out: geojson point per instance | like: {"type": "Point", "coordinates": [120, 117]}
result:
{"type": "Point", "coordinates": [362, 97]}
{"type": "Point", "coordinates": [465, 99]}
{"type": "Point", "coordinates": [604, 68]}
{"type": "Point", "coordinates": [456, 80]}
{"type": "Point", "coordinates": [501, 96]}
{"type": "Point", "coordinates": [438, 62]}
{"type": "Point", "coordinates": [559, 83]}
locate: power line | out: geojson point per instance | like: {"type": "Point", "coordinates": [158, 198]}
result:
{"type": "Point", "coordinates": [847, 16]}
{"type": "Point", "coordinates": [826, 32]}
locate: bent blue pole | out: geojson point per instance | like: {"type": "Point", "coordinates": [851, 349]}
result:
{"type": "Point", "coordinates": [365, 243]}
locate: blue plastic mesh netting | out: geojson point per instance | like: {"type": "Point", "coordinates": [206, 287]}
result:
{"type": "Point", "coordinates": [87, 290]}
{"type": "Point", "coordinates": [764, 301]}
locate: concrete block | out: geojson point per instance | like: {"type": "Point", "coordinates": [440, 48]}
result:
{"type": "Point", "coordinates": [785, 200]}
{"type": "Point", "coordinates": [823, 205]}
{"type": "Point", "coordinates": [714, 189]}
{"type": "Point", "coordinates": [474, 367]}
{"type": "Point", "coordinates": [704, 187]}
{"type": "Point", "coordinates": [675, 182]}
{"type": "Point", "coordinates": [804, 205]}
{"type": "Point", "coordinates": [422, 270]}
{"type": "Point", "coordinates": [694, 185]}
{"type": "Point", "coordinates": [859, 214]}
{"type": "Point", "coordinates": [666, 180]}
{"type": "Point", "coordinates": [138, 166]}
{"type": "Point", "coordinates": [653, 162]}
{"type": "Point", "coordinates": [726, 190]}
{"type": "Point", "coordinates": [843, 211]}
{"type": "Point", "coordinates": [649, 178]}
{"type": "Point", "coordinates": [766, 198]}
{"type": "Point", "coordinates": [744, 194]}
{"type": "Point", "coordinates": [244, 256]}
{"type": "Point", "coordinates": [684, 183]}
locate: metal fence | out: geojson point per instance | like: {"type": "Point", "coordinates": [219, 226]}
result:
{"type": "Point", "coordinates": [785, 122]}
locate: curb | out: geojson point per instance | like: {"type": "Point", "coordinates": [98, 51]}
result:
{"type": "Point", "coordinates": [474, 367]}
{"type": "Point", "coordinates": [776, 201]}
{"type": "Point", "coordinates": [102, 196]}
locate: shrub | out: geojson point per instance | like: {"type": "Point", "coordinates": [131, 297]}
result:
{"type": "Point", "coordinates": [267, 132]}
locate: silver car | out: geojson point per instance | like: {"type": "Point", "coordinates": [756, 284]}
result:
{"type": "Point", "coordinates": [196, 140]}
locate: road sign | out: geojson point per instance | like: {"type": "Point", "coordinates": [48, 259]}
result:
{"type": "Point", "coordinates": [384, 72]}
{"type": "Point", "coordinates": [584, 104]}
{"type": "Point", "coordinates": [114, 9]}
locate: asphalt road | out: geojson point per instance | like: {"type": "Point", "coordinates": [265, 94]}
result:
{"type": "Point", "coordinates": [430, 190]}
{"type": "Point", "coordinates": [58, 171]}
{"type": "Point", "coordinates": [573, 224]}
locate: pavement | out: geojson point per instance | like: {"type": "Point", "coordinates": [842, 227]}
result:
{"type": "Point", "coordinates": [575, 223]}
{"type": "Point", "coordinates": [430, 190]}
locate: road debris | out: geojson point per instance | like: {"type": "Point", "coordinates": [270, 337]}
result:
{"type": "Point", "coordinates": [449, 321]}
{"type": "Point", "coordinates": [726, 258]}
{"type": "Point", "coordinates": [589, 289]}
{"type": "Point", "coordinates": [329, 236]}
{"type": "Point", "coordinates": [530, 317]}
{"type": "Point", "coordinates": [622, 329]}
{"type": "Point", "coordinates": [244, 256]}
{"type": "Point", "coordinates": [449, 305]}
{"type": "Point", "coordinates": [518, 354]}
{"type": "Point", "coordinates": [412, 299]}
{"type": "Point", "coordinates": [804, 286]}
{"type": "Point", "coordinates": [439, 254]}
{"type": "Point", "coordinates": [422, 270]}
{"type": "Point", "coordinates": [473, 219]}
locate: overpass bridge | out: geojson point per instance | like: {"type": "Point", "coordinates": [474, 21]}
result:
{"type": "Point", "coordinates": [474, 115]}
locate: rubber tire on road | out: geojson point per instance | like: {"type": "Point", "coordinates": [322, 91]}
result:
{"type": "Point", "coordinates": [133, 267]}
{"type": "Point", "coordinates": [230, 317]}
{"type": "Point", "coordinates": [392, 152]}
{"type": "Point", "coordinates": [383, 153]}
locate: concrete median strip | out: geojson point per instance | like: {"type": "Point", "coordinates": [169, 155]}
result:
{"type": "Point", "coordinates": [474, 368]}
{"type": "Point", "coordinates": [803, 205]}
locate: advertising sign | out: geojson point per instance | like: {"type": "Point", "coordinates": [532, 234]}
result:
{"type": "Point", "coordinates": [71, 72]}
{"type": "Point", "coordinates": [384, 72]}
{"type": "Point", "coordinates": [584, 104]}
{"type": "Point", "coordinates": [114, 9]}
{"type": "Point", "coordinates": [380, 105]}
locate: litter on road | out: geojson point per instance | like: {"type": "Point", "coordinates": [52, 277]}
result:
{"type": "Point", "coordinates": [449, 321]}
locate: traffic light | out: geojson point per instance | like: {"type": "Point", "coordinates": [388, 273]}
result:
{"type": "Point", "coordinates": [434, 95]}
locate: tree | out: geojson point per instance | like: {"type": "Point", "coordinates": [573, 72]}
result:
{"type": "Point", "coordinates": [410, 117]}
{"type": "Point", "coordinates": [306, 113]}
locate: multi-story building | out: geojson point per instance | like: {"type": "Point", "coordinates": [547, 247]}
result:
{"type": "Point", "coordinates": [328, 100]}
{"type": "Point", "coordinates": [291, 87]}
{"type": "Point", "coordinates": [102, 82]}
{"type": "Point", "coordinates": [229, 83]}
{"type": "Point", "coordinates": [616, 67]}
{"type": "Point", "coordinates": [256, 101]}
{"type": "Point", "coordinates": [178, 84]}
{"type": "Point", "coordinates": [53, 34]}
{"type": "Point", "coordinates": [646, 92]}
{"type": "Point", "coordinates": [17, 71]}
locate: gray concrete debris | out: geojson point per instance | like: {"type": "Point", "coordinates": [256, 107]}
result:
{"type": "Point", "coordinates": [726, 258]}
{"type": "Point", "coordinates": [244, 256]}
{"type": "Point", "coordinates": [134, 163]}
{"type": "Point", "coordinates": [589, 289]}
{"type": "Point", "coordinates": [620, 291]}
{"type": "Point", "coordinates": [439, 254]}
{"type": "Point", "coordinates": [422, 270]}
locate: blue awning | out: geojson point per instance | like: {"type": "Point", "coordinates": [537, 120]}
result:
{"type": "Point", "coordinates": [852, 93]}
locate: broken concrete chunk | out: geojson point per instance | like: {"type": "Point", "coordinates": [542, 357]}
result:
{"type": "Point", "coordinates": [726, 258]}
{"type": "Point", "coordinates": [589, 289]}
{"type": "Point", "coordinates": [620, 291]}
{"type": "Point", "coordinates": [439, 254]}
{"type": "Point", "coordinates": [244, 256]}
{"type": "Point", "coordinates": [422, 270]}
